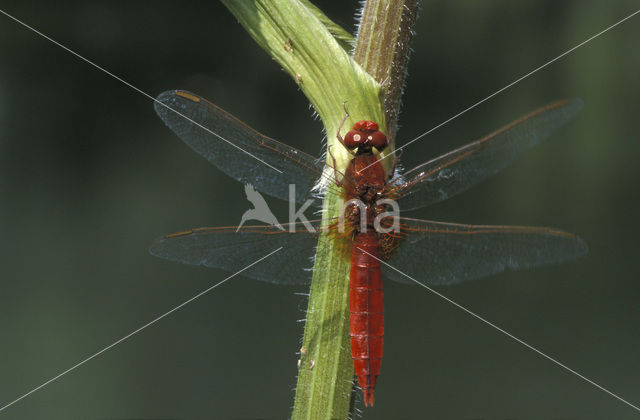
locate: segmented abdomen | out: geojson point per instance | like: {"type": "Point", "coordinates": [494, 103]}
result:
{"type": "Point", "coordinates": [365, 305]}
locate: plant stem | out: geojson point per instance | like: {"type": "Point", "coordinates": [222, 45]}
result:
{"type": "Point", "coordinates": [326, 369]}
{"type": "Point", "coordinates": [382, 49]}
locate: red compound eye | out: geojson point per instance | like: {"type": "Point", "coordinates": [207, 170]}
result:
{"type": "Point", "coordinates": [377, 140]}
{"type": "Point", "coordinates": [354, 139]}
{"type": "Point", "coordinates": [365, 133]}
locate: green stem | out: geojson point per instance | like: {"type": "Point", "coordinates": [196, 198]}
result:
{"type": "Point", "coordinates": [382, 49]}
{"type": "Point", "coordinates": [344, 38]}
{"type": "Point", "coordinates": [326, 369]}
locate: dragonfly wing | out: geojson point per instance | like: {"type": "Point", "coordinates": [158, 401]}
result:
{"type": "Point", "coordinates": [237, 149]}
{"type": "Point", "coordinates": [436, 253]}
{"type": "Point", "coordinates": [456, 171]}
{"type": "Point", "coordinates": [232, 251]}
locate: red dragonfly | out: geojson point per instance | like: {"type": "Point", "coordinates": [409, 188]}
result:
{"type": "Point", "coordinates": [436, 253]}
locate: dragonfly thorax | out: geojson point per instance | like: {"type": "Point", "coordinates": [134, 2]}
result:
{"type": "Point", "coordinates": [361, 216]}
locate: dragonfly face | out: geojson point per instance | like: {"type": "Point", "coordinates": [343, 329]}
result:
{"type": "Point", "coordinates": [364, 136]}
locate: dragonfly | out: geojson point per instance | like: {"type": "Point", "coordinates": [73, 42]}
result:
{"type": "Point", "coordinates": [436, 253]}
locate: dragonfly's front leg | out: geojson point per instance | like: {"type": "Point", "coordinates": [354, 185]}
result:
{"type": "Point", "coordinates": [339, 181]}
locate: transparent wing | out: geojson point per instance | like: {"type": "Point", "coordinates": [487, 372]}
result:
{"type": "Point", "coordinates": [237, 149]}
{"type": "Point", "coordinates": [456, 171]}
{"type": "Point", "coordinates": [226, 249]}
{"type": "Point", "coordinates": [436, 253]}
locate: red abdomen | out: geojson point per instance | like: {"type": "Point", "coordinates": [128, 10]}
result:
{"type": "Point", "coordinates": [365, 305]}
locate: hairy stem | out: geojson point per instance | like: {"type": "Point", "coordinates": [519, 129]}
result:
{"type": "Point", "coordinates": [382, 49]}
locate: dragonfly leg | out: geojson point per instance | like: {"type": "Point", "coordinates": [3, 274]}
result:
{"type": "Point", "coordinates": [346, 115]}
{"type": "Point", "coordinates": [338, 181]}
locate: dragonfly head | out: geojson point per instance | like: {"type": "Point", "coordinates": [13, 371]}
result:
{"type": "Point", "coordinates": [365, 135]}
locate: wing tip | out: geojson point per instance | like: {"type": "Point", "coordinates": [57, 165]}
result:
{"type": "Point", "coordinates": [154, 249]}
{"type": "Point", "coordinates": [570, 105]}
{"type": "Point", "coordinates": [577, 104]}
{"type": "Point", "coordinates": [167, 98]}
{"type": "Point", "coordinates": [582, 247]}
{"type": "Point", "coordinates": [162, 102]}
{"type": "Point", "coordinates": [157, 246]}
{"type": "Point", "coordinates": [578, 246]}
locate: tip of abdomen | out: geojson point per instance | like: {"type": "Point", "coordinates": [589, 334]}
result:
{"type": "Point", "coordinates": [368, 397]}
{"type": "Point", "coordinates": [368, 384]}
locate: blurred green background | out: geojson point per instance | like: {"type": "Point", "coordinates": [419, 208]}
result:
{"type": "Point", "coordinates": [89, 176]}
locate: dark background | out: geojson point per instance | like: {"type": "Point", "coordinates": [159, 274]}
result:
{"type": "Point", "coordinates": [89, 176]}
